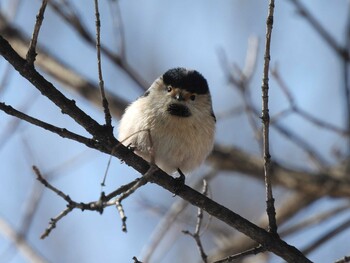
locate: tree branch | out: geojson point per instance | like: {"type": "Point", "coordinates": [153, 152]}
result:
{"type": "Point", "coordinates": [270, 208]}
{"type": "Point", "coordinates": [106, 143]}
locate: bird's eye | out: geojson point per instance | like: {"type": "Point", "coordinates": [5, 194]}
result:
{"type": "Point", "coordinates": [169, 88]}
{"type": "Point", "coordinates": [193, 97]}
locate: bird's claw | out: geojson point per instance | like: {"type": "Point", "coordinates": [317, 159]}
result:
{"type": "Point", "coordinates": [180, 182]}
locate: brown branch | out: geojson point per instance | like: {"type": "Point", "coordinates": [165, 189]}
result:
{"type": "Point", "coordinates": [235, 243]}
{"type": "Point", "coordinates": [32, 47]}
{"type": "Point", "coordinates": [62, 72]}
{"type": "Point", "coordinates": [196, 235]}
{"type": "Point", "coordinates": [63, 132]}
{"type": "Point", "coordinates": [76, 24]}
{"type": "Point", "coordinates": [168, 219]}
{"type": "Point", "coordinates": [106, 142]}
{"type": "Point", "coordinates": [47, 89]}
{"type": "Point", "coordinates": [108, 117]}
{"type": "Point", "coordinates": [252, 251]}
{"type": "Point", "coordinates": [270, 208]}
{"type": "Point", "coordinates": [294, 108]}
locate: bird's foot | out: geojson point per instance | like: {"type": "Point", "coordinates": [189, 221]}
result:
{"type": "Point", "coordinates": [180, 182]}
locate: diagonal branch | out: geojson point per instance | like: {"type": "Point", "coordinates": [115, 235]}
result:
{"type": "Point", "coordinates": [63, 132]}
{"type": "Point", "coordinates": [106, 142]}
{"type": "Point", "coordinates": [59, 70]}
{"type": "Point", "coordinates": [47, 89]}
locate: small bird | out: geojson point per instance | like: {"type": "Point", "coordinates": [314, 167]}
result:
{"type": "Point", "coordinates": [172, 123]}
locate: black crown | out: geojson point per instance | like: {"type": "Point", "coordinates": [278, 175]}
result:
{"type": "Point", "coordinates": [190, 80]}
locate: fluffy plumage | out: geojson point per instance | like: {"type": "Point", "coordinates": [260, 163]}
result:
{"type": "Point", "coordinates": [177, 110]}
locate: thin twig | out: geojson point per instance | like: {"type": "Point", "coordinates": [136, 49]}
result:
{"type": "Point", "coordinates": [196, 234]}
{"type": "Point", "coordinates": [142, 181]}
{"type": "Point", "coordinates": [53, 222]}
{"type": "Point", "coordinates": [62, 72]}
{"type": "Point", "coordinates": [114, 149]}
{"type": "Point", "coordinates": [74, 21]}
{"type": "Point", "coordinates": [294, 108]}
{"type": "Point", "coordinates": [252, 251]}
{"type": "Point", "coordinates": [31, 54]}
{"type": "Point", "coordinates": [118, 203]}
{"type": "Point", "coordinates": [66, 105]}
{"type": "Point", "coordinates": [270, 209]}
{"type": "Point", "coordinates": [12, 126]}
{"type": "Point", "coordinates": [122, 215]}
{"type": "Point", "coordinates": [108, 117]}
{"type": "Point", "coordinates": [63, 132]}
{"type": "Point", "coordinates": [168, 219]}
{"type": "Point", "coordinates": [105, 144]}
{"type": "Point", "coordinates": [98, 205]}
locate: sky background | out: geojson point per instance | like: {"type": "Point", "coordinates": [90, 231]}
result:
{"type": "Point", "coordinates": [161, 34]}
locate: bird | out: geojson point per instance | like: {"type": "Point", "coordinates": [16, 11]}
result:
{"type": "Point", "coordinates": [172, 123]}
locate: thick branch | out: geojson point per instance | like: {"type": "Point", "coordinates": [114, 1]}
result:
{"type": "Point", "coordinates": [107, 144]}
{"type": "Point", "coordinates": [46, 88]}
{"type": "Point", "coordinates": [59, 70]}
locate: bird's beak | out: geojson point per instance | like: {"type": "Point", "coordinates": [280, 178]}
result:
{"type": "Point", "coordinates": [178, 95]}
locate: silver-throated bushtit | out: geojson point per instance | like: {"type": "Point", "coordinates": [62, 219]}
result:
{"type": "Point", "coordinates": [174, 118]}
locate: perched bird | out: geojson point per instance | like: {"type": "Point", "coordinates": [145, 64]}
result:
{"type": "Point", "coordinates": [173, 122]}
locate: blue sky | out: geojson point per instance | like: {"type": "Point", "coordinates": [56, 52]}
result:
{"type": "Point", "coordinates": [160, 35]}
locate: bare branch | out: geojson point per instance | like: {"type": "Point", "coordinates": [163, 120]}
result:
{"type": "Point", "coordinates": [270, 209]}
{"type": "Point", "coordinates": [62, 72]}
{"type": "Point", "coordinates": [106, 142]}
{"type": "Point", "coordinates": [122, 215]}
{"type": "Point", "coordinates": [32, 48]}
{"type": "Point", "coordinates": [296, 109]}
{"type": "Point", "coordinates": [46, 88]}
{"type": "Point", "coordinates": [63, 132]}
{"type": "Point", "coordinates": [253, 251]}
{"type": "Point", "coordinates": [196, 235]}
{"type": "Point", "coordinates": [108, 117]}
{"type": "Point", "coordinates": [75, 22]}
{"type": "Point", "coordinates": [168, 220]}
